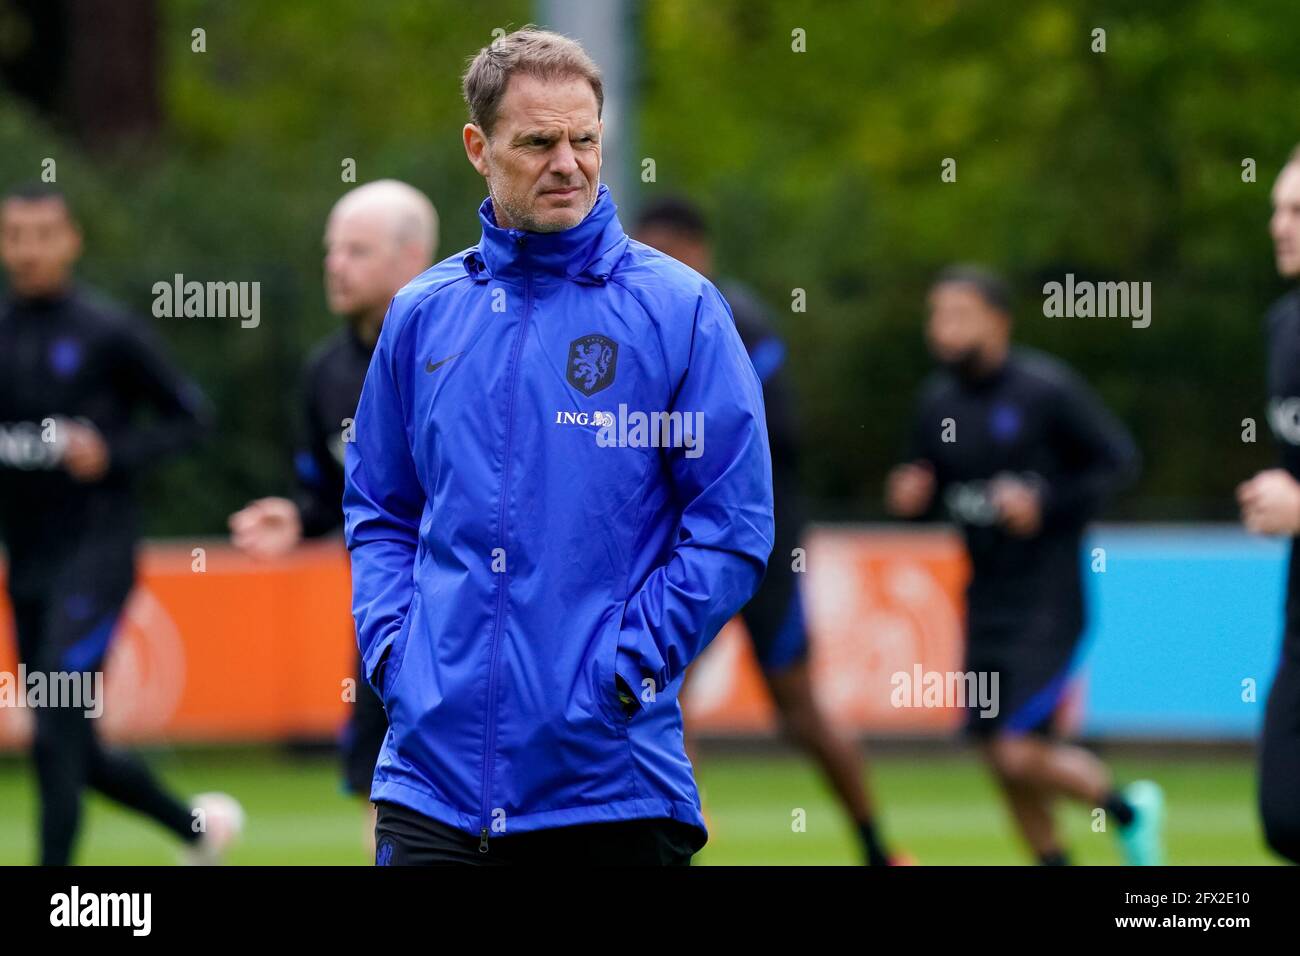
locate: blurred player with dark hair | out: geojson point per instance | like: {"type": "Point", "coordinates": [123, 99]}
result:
{"type": "Point", "coordinates": [1023, 455]}
{"type": "Point", "coordinates": [378, 237]}
{"type": "Point", "coordinates": [774, 617]}
{"type": "Point", "coordinates": [1270, 504]}
{"type": "Point", "coordinates": [76, 379]}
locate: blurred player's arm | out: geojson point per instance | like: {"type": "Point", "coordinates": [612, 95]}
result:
{"type": "Point", "coordinates": [179, 412]}
{"type": "Point", "coordinates": [1270, 503]}
{"type": "Point", "coordinates": [272, 527]}
{"type": "Point", "coordinates": [382, 504]}
{"type": "Point", "coordinates": [1102, 456]}
{"type": "Point", "coordinates": [726, 532]}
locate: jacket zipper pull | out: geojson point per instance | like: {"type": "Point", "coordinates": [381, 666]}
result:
{"type": "Point", "coordinates": [482, 843]}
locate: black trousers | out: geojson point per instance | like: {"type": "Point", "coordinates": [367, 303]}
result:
{"type": "Point", "coordinates": [1279, 756]}
{"type": "Point", "coordinates": [406, 838]}
{"type": "Point", "coordinates": [67, 629]}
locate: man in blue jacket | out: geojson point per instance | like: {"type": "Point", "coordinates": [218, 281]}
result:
{"type": "Point", "coordinates": [558, 491]}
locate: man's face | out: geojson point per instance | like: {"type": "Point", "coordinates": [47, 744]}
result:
{"type": "Point", "coordinates": [364, 264]}
{"type": "Point", "coordinates": [683, 247]}
{"type": "Point", "coordinates": [961, 324]}
{"type": "Point", "coordinates": [39, 243]}
{"type": "Point", "coordinates": [542, 161]}
{"type": "Point", "coordinates": [1284, 226]}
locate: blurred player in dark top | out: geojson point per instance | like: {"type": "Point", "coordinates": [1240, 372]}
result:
{"type": "Point", "coordinates": [87, 401]}
{"type": "Point", "coordinates": [378, 238]}
{"type": "Point", "coordinates": [1021, 454]}
{"type": "Point", "coordinates": [1270, 504]}
{"type": "Point", "coordinates": [774, 617]}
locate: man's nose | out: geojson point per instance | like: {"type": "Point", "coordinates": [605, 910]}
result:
{"type": "Point", "coordinates": [564, 162]}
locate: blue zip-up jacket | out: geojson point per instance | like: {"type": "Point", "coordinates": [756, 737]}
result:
{"type": "Point", "coordinates": [511, 556]}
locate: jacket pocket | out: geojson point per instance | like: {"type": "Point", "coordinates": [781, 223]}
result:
{"type": "Point", "coordinates": [607, 690]}
{"type": "Point", "coordinates": [392, 662]}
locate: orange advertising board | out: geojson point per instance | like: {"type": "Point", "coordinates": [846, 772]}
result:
{"type": "Point", "coordinates": [878, 602]}
{"type": "Point", "coordinates": [218, 647]}
{"type": "Point", "coordinates": [240, 650]}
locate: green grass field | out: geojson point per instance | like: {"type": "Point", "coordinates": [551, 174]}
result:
{"type": "Point", "coordinates": [941, 808]}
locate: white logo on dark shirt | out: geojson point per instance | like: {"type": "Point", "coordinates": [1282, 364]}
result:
{"type": "Point", "coordinates": [1284, 419]}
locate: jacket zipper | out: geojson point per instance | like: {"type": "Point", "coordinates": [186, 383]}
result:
{"type": "Point", "coordinates": [490, 749]}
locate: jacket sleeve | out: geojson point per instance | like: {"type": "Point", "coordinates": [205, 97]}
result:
{"type": "Point", "coordinates": [1101, 454]}
{"type": "Point", "coordinates": [178, 412]}
{"type": "Point", "coordinates": [724, 487]}
{"type": "Point", "coordinates": [382, 504]}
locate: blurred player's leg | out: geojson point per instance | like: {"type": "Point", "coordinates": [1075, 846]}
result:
{"type": "Point", "coordinates": [792, 692]}
{"type": "Point", "coordinates": [1032, 808]}
{"type": "Point", "coordinates": [776, 625]}
{"type": "Point", "coordinates": [69, 632]}
{"type": "Point", "coordinates": [774, 620]}
{"type": "Point", "coordinates": [1031, 765]}
{"type": "Point", "coordinates": [1279, 760]}
{"type": "Point", "coordinates": [1031, 771]}
{"type": "Point", "coordinates": [363, 738]}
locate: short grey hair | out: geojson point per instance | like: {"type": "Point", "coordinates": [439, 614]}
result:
{"type": "Point", "coordinates": [533, 52]}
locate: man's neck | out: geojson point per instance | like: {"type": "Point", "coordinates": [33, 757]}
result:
{"type": "Point", "coordinates": [52, 294]}
{"type": "Point", "coordinates": [502, 217]}
{"type": "Point", "coordinates": [366, 326]}
{"type": "Point", "coordinates": [994, 358]}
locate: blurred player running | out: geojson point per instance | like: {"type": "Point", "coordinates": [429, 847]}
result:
{"type": "Point", "coordinates": [774, 618]}
{"type": "Point", "coordinates": [378, 237]}
{"type": "Point", "coordinates": [1022, 454]}
{"type": "Point", "coordinates": [75, 376]}
{"type": "Point", "coordinates": [1270, 504]}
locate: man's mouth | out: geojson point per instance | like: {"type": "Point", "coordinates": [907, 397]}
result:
{"type": "Point", "coordinates": [563, 193]}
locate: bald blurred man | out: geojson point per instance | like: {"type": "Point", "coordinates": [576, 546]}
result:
{"type": "Point", "coordinates": [378, 237]}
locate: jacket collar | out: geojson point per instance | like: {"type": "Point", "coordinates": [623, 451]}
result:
{"type": "Point", "coordinates": [586, 253]}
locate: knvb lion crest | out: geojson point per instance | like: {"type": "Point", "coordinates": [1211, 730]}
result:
{"type": "Point", "coordinates": [592, 361]}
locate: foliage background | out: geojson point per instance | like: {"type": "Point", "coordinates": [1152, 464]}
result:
{"type": "Point", "coordinates": [821, 170]}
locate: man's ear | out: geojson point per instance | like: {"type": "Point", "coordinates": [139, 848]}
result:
{"type": "Point", "coordinates": [476, 148]}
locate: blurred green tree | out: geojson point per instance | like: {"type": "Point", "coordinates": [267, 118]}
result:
{"type": "Point", "coordinates": [822, 169]}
